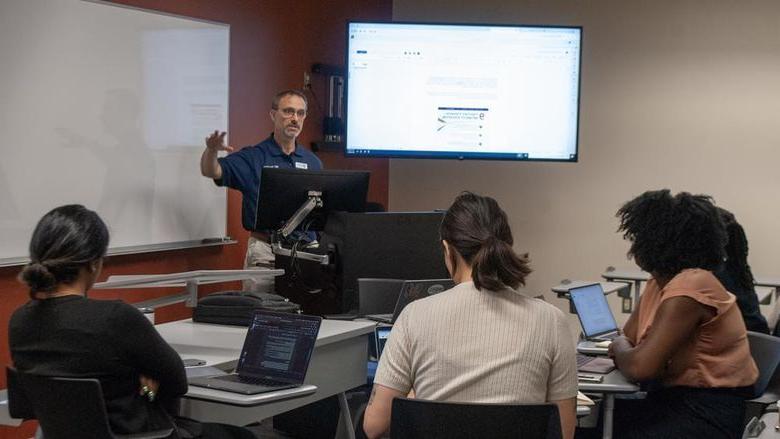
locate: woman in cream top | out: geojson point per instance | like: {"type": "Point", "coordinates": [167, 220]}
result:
{"type": "Point", "coordinates": [482, 341]}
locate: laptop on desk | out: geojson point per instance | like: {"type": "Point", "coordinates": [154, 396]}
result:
{"type": "Point", "coordinates": [381, 333]}
{"type": "Point", "coordinates": [412, 290]}
{"type": "Point", "coordinates": [275, 356]}
{"type": "Point", "coordinates": [597, 321]}
{"type": "Point", "coordinates": [378, 296]}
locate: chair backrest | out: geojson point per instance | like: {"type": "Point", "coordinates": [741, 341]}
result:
{"type": "Point", "coordinates": [378, 296]}
{"type": "Point", "coordinates": [67, 407]}
{"type": "Point", "coordinates": [765, 350]}
{"type": "Point", "coordinates": [414, 418]}
{"type": "Point", "coordinates": [19, 406]}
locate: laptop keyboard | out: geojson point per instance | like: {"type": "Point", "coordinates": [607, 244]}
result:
{"type": "Point", "coordinates": [583, 360]}
{"type": "Point", "coordinates": [254, 381]}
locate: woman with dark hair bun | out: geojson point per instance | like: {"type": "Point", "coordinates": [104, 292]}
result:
{"type": "Point", "coordinates": [60, 332]}
{"type": "Point", "coordinates": [686, 340]}
{"type": "Point", "coordinates": [481, 341]}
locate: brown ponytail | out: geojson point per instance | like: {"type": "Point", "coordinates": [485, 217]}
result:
{"type": "Point", "coordinates": [478, 229]}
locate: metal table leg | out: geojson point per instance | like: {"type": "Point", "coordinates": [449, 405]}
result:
{"type": "Point", "coordinates": [609, 408]}
{"type": "Point", "coordinates": [346, 418]}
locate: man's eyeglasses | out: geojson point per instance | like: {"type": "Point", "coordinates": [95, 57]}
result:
{"type": "Point", "coordinates": [290, 112]}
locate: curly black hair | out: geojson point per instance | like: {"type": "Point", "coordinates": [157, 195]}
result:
{"type": "Point", "coordinates": [737, 251]}
{"type": "Point", "coordinates": [671, 233]}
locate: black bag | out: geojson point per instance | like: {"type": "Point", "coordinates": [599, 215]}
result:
{"type": "Point", "coordinates": [237, 307]}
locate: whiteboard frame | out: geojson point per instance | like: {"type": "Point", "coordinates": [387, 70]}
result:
{"type": "Point", "coordinates": [135, 249]}
{"type": "Point", "coordinates": [166, 246]}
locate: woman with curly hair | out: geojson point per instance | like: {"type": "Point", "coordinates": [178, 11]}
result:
{"type": "Point", "coordinates": [686, 339]}
{"type": "Point", "coordinates": [736, 276]}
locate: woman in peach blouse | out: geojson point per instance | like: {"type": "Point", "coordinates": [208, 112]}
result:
{"type": "Point", "coordinates": [686, 340]}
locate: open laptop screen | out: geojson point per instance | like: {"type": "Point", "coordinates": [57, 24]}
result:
{"type": "Point", "coordinates": [412, 290]}
{"type": "Point", "coordinates": [278, 346]}
{"type": "Point", "coordinates": [593, 310]}
{"type": "Point", "coordinates": [381, 333]}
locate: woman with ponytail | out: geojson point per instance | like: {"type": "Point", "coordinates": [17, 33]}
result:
{"type": "Point", "coordinates": [481, 341]}
{"type": "Point", "coordinates": [60, 332]}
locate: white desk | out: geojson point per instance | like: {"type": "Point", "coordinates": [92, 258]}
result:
{"type": "Point", "coordinates": [770, 420]}
{"type": "Point", "coordinates": [767, 281]}
{"type": "Point", "coordinates": [562, 289]}
{"type": "Point", "coordinates": [628, 275]}
{"type": "Point", "coordinates": [5, 417]}
{"type": "Point", "coordinates": [768, 302]}
{"type": "Point", "coordinates": [614, 383]}
{"type": "Point", "coordinates": [337, 365]}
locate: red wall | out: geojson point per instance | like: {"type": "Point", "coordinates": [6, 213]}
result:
{"type": "Point", "coordinates": [272, 43]}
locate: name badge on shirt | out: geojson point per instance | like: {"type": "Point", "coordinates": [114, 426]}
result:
{"type": "Point", "coordinates": [299, 165]}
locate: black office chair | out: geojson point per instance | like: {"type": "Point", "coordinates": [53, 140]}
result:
{"type": "Point", "coordinates": [419, 419]}
{"type": "Point", "coordinates": [360, 414]}
{"type": "Point", "coordinates": [65, 408]}
{"type": "Point", "coordinates": [765, 350]}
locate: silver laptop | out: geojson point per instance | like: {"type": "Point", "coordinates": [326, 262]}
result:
{"type": "Point", "coordinates": [412, 290]}
{"type": "Point", "coordinates": [597, 321]}
{"type": "Point", "coordinates": [275, 356]}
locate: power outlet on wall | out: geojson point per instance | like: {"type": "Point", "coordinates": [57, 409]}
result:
{"type": "Point", "coordinates": [306, 80]}
{"type": "Point", "coordinates": [627, 305]}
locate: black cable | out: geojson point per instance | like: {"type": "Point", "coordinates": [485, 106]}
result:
{"type": "Point", "coordinates": [315, 99]}
{"type": "Point", "coordinates": [297, 271]}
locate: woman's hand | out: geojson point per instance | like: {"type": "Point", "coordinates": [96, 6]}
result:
{"type": "Point", "coordinates": [619, 343]}
{"type": "Point", "coordinates": [149, 387]}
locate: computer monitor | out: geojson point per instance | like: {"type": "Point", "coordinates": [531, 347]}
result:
{"type": "Point", "coordinates": [283, 192]}
{"type": "Point", "coordinates": [392, 245]}
{"type": "Point", "coordinates": [462, 91]}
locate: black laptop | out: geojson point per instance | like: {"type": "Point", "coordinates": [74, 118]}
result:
{"type": "Point", "coordinates": [276, 355]}
{"type": "Point", "coordinates": [412, 290]}
{"type": "Point", "coordinates": [378, 296]}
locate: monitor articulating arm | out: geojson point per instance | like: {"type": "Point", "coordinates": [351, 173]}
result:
{"type": "Point", "coordinates": [314, 201]}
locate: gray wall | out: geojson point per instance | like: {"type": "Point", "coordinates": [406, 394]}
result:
{"type": "Point", "coordinates": [675, 94]}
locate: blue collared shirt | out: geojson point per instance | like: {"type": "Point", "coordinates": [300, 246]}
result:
{"type": "Point", "coordinates": [241, 170]}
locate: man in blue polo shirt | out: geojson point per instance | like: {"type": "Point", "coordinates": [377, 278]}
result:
{"type": "Point", "coordinates": [241, 170]}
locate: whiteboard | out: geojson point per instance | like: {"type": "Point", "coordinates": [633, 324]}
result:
{"type": "Point", "coordinates": [108, 106]}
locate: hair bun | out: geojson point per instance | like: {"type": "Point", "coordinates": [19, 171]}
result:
{"type": "Point", "coordinates": [38, 277]}
{"type": "Point", "coordinates": [492, 240]}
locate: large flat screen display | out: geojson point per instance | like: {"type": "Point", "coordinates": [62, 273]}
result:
{"type": "Point", "coordinates": [462, 91]}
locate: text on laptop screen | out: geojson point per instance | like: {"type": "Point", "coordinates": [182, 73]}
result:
{"type": "Point", "coordinates": [505, 92]}
{"type": "Point", "coordinates": [593, 310]}
{"type": "Point", "coordinates": [278, 347]}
